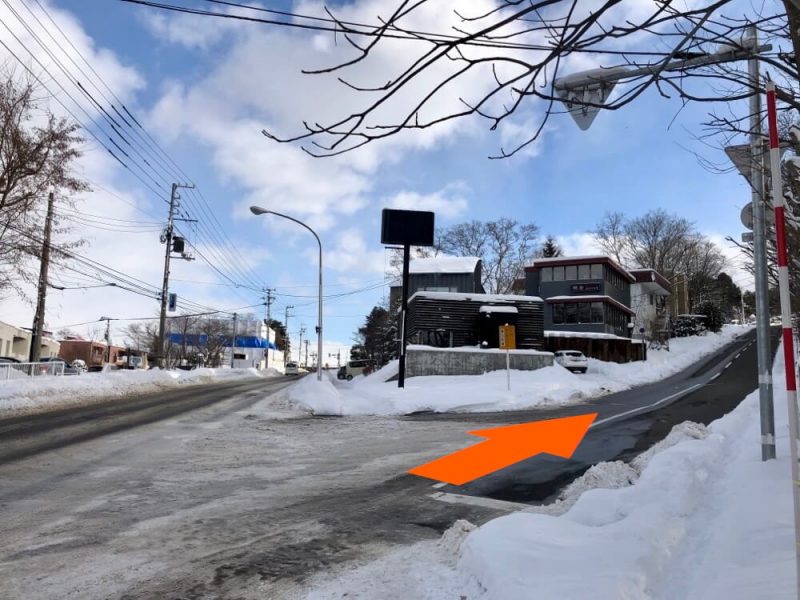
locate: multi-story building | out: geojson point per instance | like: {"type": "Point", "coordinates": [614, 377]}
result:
{"type": "Point", "coordinates": [588, 294]}
{"type": "Point", "coordinates": [649, 303]}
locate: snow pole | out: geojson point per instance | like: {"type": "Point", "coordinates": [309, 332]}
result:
{"type": "Point", "coordinates": [786, 312]}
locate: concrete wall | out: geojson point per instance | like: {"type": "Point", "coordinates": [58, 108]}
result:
{"type": "Point", "coordinates": [470, 361]}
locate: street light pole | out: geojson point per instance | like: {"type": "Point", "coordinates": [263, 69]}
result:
{"type": "Point", "coordinates": [763, 349]}
{"type": "Point", "coordinates": [585, 93]}
{"type": "Point", "coordinates": [257, 210]}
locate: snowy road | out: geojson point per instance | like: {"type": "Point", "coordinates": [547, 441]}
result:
{"type": "Point", "coordinates": [242, 498]}
{"type": "Point", "coordinates": [226, 501]}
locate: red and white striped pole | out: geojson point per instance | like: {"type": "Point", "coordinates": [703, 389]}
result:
{"type": "Point", "coordinates": [786, 311]}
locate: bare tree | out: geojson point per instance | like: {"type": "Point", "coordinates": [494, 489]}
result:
{"type": "Point", "coordinates": [37, 151]}
{"type": "Point", "coordinates": [142, 335]}
{"type": "Point", "coordinates": [504, 246]}
{"type": "Point", "coordinates": [610, 236]}
{"type": "Point", "coordinates": [496, 62]}
{"type": "Point", "coordinates": [667, 243]}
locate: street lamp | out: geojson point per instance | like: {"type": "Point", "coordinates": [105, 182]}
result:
{"type": "Point", "coordinates": [257, 210]}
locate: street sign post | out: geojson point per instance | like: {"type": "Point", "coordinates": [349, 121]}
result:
{"type": "Point", "coordinates": [508, 341]}
{"type": "Point", "coordinates": [407, 228]}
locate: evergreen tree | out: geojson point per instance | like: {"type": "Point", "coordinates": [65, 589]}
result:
{"type": "Point", "coordinates": [713, 314]}
{"type": "Point", "coordinates": [550, 248]}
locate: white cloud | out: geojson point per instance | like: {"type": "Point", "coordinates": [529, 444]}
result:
{"type": "Point", "coordinates": [578, 244]}
{"type": "Point", "coordinates": [447, 203]}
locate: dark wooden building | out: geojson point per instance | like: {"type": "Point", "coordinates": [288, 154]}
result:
{"type": "Point", "coordinates": [450, 319]}
{"type": "Point", "coordinates": [440, 274]}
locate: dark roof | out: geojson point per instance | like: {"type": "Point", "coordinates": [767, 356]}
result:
{"type": "Point", "coordinates": [650, 275]}
{"type": "Point", "coordinates": [579, 260]}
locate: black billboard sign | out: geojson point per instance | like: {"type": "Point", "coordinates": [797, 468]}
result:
{"type": "Point", "coordinates": [407, 227]}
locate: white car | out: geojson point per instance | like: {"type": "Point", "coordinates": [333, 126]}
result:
{"type": "Point", "coordinates": [292, 369]}
{"type": "Point", "coordinates": [572, 360]}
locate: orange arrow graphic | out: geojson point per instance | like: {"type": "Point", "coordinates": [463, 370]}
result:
{"type": "Point", "coordinates": [506, 446]}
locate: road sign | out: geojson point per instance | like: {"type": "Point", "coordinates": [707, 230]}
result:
{"type": "Point", "coordinates": [746, 216]}
{"type": "Point", "coordinates": [508, 338]}
{"type": "Point", "coordinates": [584, 93]}
{"type": "Point", "coordinates": [172, 302]}
{"type": "Point", "coordinates": [747, 237]}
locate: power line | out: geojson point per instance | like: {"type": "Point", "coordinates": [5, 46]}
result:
{"type": "Point", "coordinates": [366, 30]}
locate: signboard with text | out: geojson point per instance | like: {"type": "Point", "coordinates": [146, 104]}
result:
{"type": "Point", "coordinates": [585, 287]}
{"type": "Point", "coordinates": [508, 338]}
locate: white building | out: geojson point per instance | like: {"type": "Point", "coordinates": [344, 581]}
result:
{"type": "Point", "coordinates": [649, 303]}
{"type": "Point", "coordinates": [15, 342]}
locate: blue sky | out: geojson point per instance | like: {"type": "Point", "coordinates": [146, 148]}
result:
{"type": "Point", "coordinates": [204, 88]}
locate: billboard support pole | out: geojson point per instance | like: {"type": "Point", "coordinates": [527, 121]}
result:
{"type": "Point", "coordinates": [401, 376]}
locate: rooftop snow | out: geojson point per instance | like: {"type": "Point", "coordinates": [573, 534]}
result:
{"type": "Point", "coordinates": [584, 334]}
{"type": "Point", "coordinates": [498, 309]}
{"type": "Point", "coordinates": [444, 264]}
{"type": "Point", "coordinates": [466, 296]}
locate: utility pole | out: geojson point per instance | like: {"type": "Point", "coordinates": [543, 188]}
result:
{"type": "Point", "coordinates": [108, 337]}
{"type": "Point", "coordinates": [233, 340]}
{"type": "Point", "coordinates": [763, 349]}
{"type": "Point", "coordinates": [267, 307]}
{"type": "Point", "coordinates": [38, 320]}
{"type": "Point", "coordinates": [286, 344]}
{"type": "Point", "coordinates": [306, 362]}
{"type": "Point", "coordinates": [168, 238]}
{"type": "Point", "coordinates": [300, 345]}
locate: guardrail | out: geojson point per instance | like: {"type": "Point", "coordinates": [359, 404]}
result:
{"type": "Point", "coordinates": [28, 369]}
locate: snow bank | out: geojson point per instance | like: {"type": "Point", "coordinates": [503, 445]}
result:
{"type": "Point", "coordinates": [37, 394]}
{"type": "Point", "coordinates": [705, 519]}
{"type": "Point", "coordinates": [486, 393]}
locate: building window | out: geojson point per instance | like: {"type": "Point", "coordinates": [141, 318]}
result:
{"type": "Point", "coordinates": [584, 313]}
{"type": "Point", "coordinates": [558, 314]}
{"type": "Point", "coordinates": [584, 271]}
{"type": "Point", "coordinates": [440, 288]}
{"type": "Point", "coordinates": [571, 313]}
{"type": "Point", "coordinates": [597, 312]}
{"type": "Point", "coordinates": [558, 273]}
{"type": "Point", "coordinates": [651, 300]}
{"type": "Point", "coordinates": [571, 273]}
{"type": "Point", "coordinates": [546, 274]}
{"type": "Point", "coordinates": [597, 271]}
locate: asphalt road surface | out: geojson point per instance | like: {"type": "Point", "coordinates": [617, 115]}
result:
{"type": "Point", "coordinates": [211, 492]}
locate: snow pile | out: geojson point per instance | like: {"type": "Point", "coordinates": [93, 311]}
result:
{"type": "Point", "coordinates": [705, 519]}
{"type": "Point", "coordinates": [486, 393]}
{"type": "Point", "coordinates": [35, 394]}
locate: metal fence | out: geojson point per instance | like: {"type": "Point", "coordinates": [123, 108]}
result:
{"type": "Point", "coordinates": [27, 370]}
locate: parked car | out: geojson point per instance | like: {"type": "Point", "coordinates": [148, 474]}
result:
{"type": "Point", "coordinates": [292, 369]}
{"type": "Point", "coordinates": [572, 360]}
{"type": "Point", "coordinates": [342, 372]}
{"type": "Point", "coordinates": [9, 359]}
{"type": "Point", "coordinates": [79, 363]}
{"type": "Point", "coordinates": [68, 368]}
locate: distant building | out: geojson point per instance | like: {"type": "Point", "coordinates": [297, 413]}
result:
{"type": "Point", "coordinates": [440, 274]}
{"type": "Point", "coordinates": [649, 302]}
{"type": "Point", "coordinates": [15, 342]}
{"type": "Point", "coordinates": [94, 353]}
